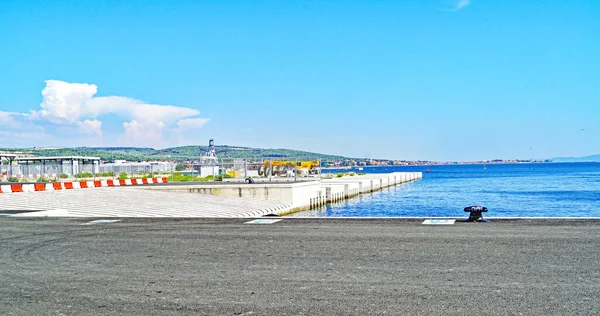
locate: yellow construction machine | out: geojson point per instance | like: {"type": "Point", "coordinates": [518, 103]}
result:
{"type": "Point", "coordinates": [288, 168]}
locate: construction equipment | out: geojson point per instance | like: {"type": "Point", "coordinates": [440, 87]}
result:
{"type": "Point", "coordinates": [288, 168]}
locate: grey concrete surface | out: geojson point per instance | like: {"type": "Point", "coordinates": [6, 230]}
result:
{"type": "Point", "coordinates": [131, 201]}
{"type": "Point", "coordinates": [298, 267]}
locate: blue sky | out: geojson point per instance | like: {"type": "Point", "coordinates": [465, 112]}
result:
{"type": "Point", "coordinates": [431, 80]}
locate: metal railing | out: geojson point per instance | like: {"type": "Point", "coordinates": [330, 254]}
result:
{"type": "Point", "coordinates": [223, 170]}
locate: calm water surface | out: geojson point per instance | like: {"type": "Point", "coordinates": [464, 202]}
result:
{"type": "Point", "coordinates": [507, 190]}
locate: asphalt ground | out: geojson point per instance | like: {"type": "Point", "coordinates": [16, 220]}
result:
{"type": "Point", "coordinates": [298, 267]}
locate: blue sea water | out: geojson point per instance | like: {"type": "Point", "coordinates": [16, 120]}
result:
{"type": "Point", "coordinates": [507, 190]}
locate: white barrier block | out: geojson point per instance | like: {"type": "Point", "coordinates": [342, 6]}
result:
{"type": "Point", "coordinates": [6, 188]}
{"type": "Point", "coordinates": [159, 180]}
{"type": "Point", "coordinates": [28, 188]}
{"type": "Point", "coordinates": [128, 182]}
{"type": "Point", "coordinates": [76, 185]}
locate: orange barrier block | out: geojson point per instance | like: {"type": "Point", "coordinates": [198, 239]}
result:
{"type": "Point", "coordinates": [57, 186]}
{"type": "Point", "coordinates": [83, 184]}
{"type": "Point", "coordinates": [0, 189]}
{"type": "Point", "coordinates": [154, 180]}
{"type": "Point", "coordinates": [134, 181]}
{"type": "Point", "coordinates": [39, 187]}
{"type": "Point", "coordinates": [165, 180]}
{"type": "Point", "coordinates": [145, 180]}
{"type": "Point", "coordinates": [68, 185]}
{"type": "Point", "coordinates": [16, 187]}
{"type": "Point", "coordinates": [97, 183]}
{"type": "Point", "coordinates": [110, 183]}
{"type": "Point", "coordinates": [122, 182]}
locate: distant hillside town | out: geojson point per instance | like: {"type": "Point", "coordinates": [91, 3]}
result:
{"type": "Point", "coordinates": [384, 162]}
{"type": "Point", "coordinates": [192, 154]}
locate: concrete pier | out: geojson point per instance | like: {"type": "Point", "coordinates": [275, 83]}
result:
{"type": "Point", "coordinates": [303, 195]}
{"type": "Point", "coordinates": [356, 185]}
{"type": "Point", "coordinates": [182, 199]}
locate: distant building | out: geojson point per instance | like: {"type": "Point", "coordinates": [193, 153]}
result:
{"type": "Point", "coordinates": [36, 167]}
{"type": "Point", "coordinates": [120, 166]}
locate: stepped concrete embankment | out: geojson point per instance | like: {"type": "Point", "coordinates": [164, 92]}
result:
{"type": "Point", "coordinates": [131, 202]}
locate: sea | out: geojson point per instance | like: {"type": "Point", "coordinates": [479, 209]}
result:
{"type": "Point", "coordinates": [507, 190]}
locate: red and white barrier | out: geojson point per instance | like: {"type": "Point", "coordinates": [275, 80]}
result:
{"type": "Point", "coordinates": [71, 185]}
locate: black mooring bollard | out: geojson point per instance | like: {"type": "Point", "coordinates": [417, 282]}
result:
{"type": "Point", "coordinates": [475, 213]}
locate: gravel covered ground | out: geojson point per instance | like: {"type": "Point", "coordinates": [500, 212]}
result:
{"type": "Point", "coordinates": [298, 267]}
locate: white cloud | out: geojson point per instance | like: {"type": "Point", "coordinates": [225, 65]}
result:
{"type": "Point", "coordinates": [75, 104]}
{"type": "Point", "coordinates": [143, 133]}
{"type": "Point", "coordinates": [17, 135]}
{"type": "Point", "coordinates": [14, 121]}
{"type": "Point", "coordinates": [461, 4]}
{"type": "Point", "coordinates": [146, 123]}
{"type": "Point", "coordinates": [91, 127]}
{"type": "Point", "coordinates": [64, 102]}
{"type": "Point", "coordinates": [137, 110]}
{"type": "Point", "coordinates": [8, 119]}
{"type": "Point", "coordinates": [191, 123]}
{"type": "Point", "coordinates": [16, 127]}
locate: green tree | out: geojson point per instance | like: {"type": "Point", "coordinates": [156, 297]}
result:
{"type": "Point", "coordinates": [179, 167]}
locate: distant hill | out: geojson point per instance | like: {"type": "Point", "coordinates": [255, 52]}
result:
{"type": "Point", "coordinates": [577, 159]}
{"type": "Point", "coordinates": [174, 153]}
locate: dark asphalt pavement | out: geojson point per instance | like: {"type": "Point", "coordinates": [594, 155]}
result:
{"type": "Point", "coordinates": [298, 267]}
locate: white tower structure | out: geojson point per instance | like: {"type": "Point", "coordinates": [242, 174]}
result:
{"type": "Point", "coordinates": [209, 162]}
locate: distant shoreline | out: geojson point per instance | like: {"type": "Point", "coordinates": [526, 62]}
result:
{"type": "Point", "coordinates": [453, 164]}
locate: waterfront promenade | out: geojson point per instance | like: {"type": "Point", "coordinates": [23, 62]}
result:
{"type": "Point", "coordinates": [206, 199]}
{"type": "Point", "coordinates": [298, 267]}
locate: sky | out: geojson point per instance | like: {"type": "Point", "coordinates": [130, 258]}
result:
{"type": "Point", "coordinates": [445, 80]}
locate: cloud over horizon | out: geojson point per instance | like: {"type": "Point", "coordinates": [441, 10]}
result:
{"type": "Point", "coordinates": [69, 108]}
{"type": "Point", "coordinates": [461, 4]}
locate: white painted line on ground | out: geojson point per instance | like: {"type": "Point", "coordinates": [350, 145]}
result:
{"type": "Point", "coordinates": [263, 221]}
{"type": "Point", "coordinates": [100, 221]}
{"type": "Point", "coordinates": [105, 221]}
{"type": "Point", "coordinates": [439, 222]}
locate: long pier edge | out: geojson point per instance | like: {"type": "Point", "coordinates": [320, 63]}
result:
{"type": "Point", "coordinates": [299, 196]}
